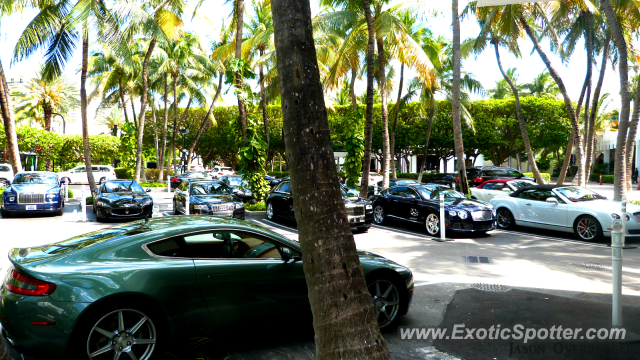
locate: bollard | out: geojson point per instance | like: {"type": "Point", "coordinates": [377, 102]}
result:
{"type": "Point", "coordinates": [83, 204]}
{"type": "Point", "coordinates": [156, 210]}
{"type": "Point", "coordinates": [375, 188]}
{"type": "Point", "coordinates": [600, 179]}
{"type": "Point", "coordinates": [623, 218]}
{"type": "Point", "coordinates": [169, 183]}
{"type": "Point", "coordinates": [186, 207]}
{"type": "Point", "coordinates": [66, 191]}
{"type": "Point", "coordinates": [442, 235]}
{"type": "Point", "coordinates": [616, 264]}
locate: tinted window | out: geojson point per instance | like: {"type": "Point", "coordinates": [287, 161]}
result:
{"type": "Point", "coordinates": [579, 194]}
{"type": "Point", "coordinates": [397, 191]}
{"type": "Point", "coordinates": [183, 186]}
{"type": "Point", "coordinates": [115, 187]}
{"type": "Point", "coordinates": [514, 173]}
{"type": "Point", "coordinates": [520, 184]}
{"type": "Point", "coordinates": [210, 189]}
{"type": "Point", "coordinates": [473, 173]}
{"type": "Point", "coordinates": [285, 187]}
{"type": "Point", "coordinates": [80, 169]}
{"type": "Point", "coordinates": [36, 179]}
{"type": "Point", "coordinates": [489, 173]}
{"type": "Point", "coordinates": [89, 239]}
{"type": "Point", "coordinates": [493, 186]}
{"type": "Point", "coordinates": [4, 168]}
{"type": "Point", "coordinates": [536, 195]}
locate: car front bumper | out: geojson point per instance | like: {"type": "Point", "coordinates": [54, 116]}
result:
{"type": "Point", "coordinates": [471, 226]}
{"type": "Point", "coordinates": [134, 212]}
{"type": "Point", "coordinates": [40, 208]}
{"type": "Point", "coordinates": [236, 214]}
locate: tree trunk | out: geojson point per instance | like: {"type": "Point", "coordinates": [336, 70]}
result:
{"type": "Point", "coordinates": [455, 101]}
{"type": "Point", "coordinates": [352, 88]}
{"type": "Point", "coordinates": [594, 105]}
{"type": "Point", "coordinates": [48, 114]}
{"type": "Point", "coordinates": [155, 133]}
{"type": "Point", "coordinates": [368, 129]}
{"type": "Point", "coordinates": [83, 106]}
{"type": "Point", "coordinates": [163, 152]}
{"type": "Point", "coordinates": [242, 110]}
{"type": "Point", "coordinates": [395, 123]}
{"type": "Point", "coordinates": [133, 110]}
{"type": "Point", "coordinates": [9, 123]}
{"type": "Point", "coordinates": [432, 111]}
{"type": "Point", "coordinates": [567, 160]}
{"type": "Point", "coordinates": [175, 122]}
{"type": "Point", "coordinates": [631, 138]}
{"type": "Point", "coordinates": [386, 151]}
{"type": "Point", "coordinates": [573, 117]}
{"type": "Point", "coordinates": [263, 104]}
{"type": "Point", "coordinates": [620, 173]}
{"type": "Point", "coordinates": [124, 102]}
{"type": "Point", "coordinates": [143, 109]}
{"type": "Point", "coordinates": [205, 121]}
{"type": "Point", "coordinates": [343, 316]}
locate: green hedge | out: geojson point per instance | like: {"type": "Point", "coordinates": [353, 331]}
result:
{"type": "Point", "coordinates": [545, 176]}
{"type": "Point", "coordinates": [606, 179]}
{"type": "Point", "coordinates": [152, 174]}
{"type": "Point", "coordinates": [278, 175]}
{"type": "Point", "coordinates": [152, 185]}
{"type": "Point", "coordinates": [260, 206]}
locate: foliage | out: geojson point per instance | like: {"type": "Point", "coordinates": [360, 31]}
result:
{"type": "Point", "coordinates": [602, 168]}
{"type": "Point", "coordinates": [259, 206]}
{"type": "Point", "coordinates": [252, 159]}
{"type": "Point", "coordinates": [278, 174]}
{"type": "Point", "coordinates": [354, 146]}
{"type": "Point", "coordinates": [153, 185]}
{"type": "Point", "coordinates": [606, 179]}
{"type": "Point", "coordinates": [545, 176]}
{"type": "Point", "coordinates": [89, 200]}
{"type": "Point", "coordinates": [543, 161]}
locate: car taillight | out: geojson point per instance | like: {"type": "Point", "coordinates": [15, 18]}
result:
{"type": "Point", "coordinates": [113, 174]}
{"type": "Point", "coordinates": [220, 174]}
{"type": "Point", "coordinates": [24, 285]}
{"type": "Point", "coordinates": [478, 180]}
{"type": "Point", "coordinates": [175, 179]}
{"type": "Point", "coordinates": [456, 179]}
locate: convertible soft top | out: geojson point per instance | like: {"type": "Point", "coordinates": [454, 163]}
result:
{"type": "Point", "coordinates": [497, 181]}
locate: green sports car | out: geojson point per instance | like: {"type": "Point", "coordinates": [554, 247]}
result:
{"type": "Point", "coordinates": [127, 290]}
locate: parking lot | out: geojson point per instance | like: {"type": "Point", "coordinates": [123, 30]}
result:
{"type": "Point", "coordinates": [541, 261]}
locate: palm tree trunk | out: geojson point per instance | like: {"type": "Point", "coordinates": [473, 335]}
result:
{"type": "Point", "coordinates": [455, 101]}
{"type": "Point", "coordinates": [620, 173]}
{"type": "Point", "coordinates": [573, 117]}
{"type": "Point", "coordinates": [567, 160]}
{"type": "Point", "coordinates": [143, 109]}
{"type": "Point", "coordinates": [395, 122]}
{"type": "Point", "coordinates": [594, 105]}
{"type": "Point", "coordinates": [124, 103]}
{"type": "Point", "coordinates": [9, 123]}
{"type": "Point", "coordinates": [83, 106]}
{"type": "Point", "coordinates": [263, 104]}
{"type": "Point", "coordinates": [343, 317]}
{"type": "Point", "coordinates": [432, 111]}
{"type": "Point", "coordinates": [155, 133]}
{"type": "Point", "coordinates": [523, 127]}
{"type": "Point", "coordinates": [242, 110]}
{"type": "Point", "coordinates": [386, 151]}
{"type": "Point", "coordinates": [48, 114]}
{"type": "Point", "coordinates": [205, 121]}
{"type": "Point", "coordinates": [352, 88]}
{"type": "Point", "coordinates": [368, 129]}
{"type": "Point", "coordinates": [164, 130]}
{"type": "Point", "coordinates": [133, 110]}
{"type": "Point", "coordinates": [631, 137]}
{"type": "Point", "coordinates": [175, 122]}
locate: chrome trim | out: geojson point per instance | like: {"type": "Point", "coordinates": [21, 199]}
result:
{"type": "Point", "coordinates": [401, 218]}
{"type": "Point", "coordinates": [30, 198]}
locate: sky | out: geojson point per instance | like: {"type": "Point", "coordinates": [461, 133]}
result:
{"type": "Point", "coordinates": [214, 12]}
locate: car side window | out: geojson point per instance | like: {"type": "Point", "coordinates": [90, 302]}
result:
{"type": "Point", "coordinates": [80, 169]}
{"type": "Point", "coordinates": [493, 186]}
{"type": "Point", "coordinates": [537, 195]}
{"type": "Point", "coordinates": [410, 192]}
{"type": "Point", "coordinates": [396, 191]}
{"type": "Point", "coordinates": [528, 195]}
{"type": "Point", "coordinates": [183, 186]}
{"type": "Point", "coordinates": [198, 189]}
{"type": "Point", "coordinates": [285, 187]}
{"type": "Point", "coordinates": [514, 173]}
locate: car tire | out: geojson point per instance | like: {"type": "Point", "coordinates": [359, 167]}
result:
{"type": "Point", "coordinates": [5, 214]}
{"type": "Point", "coordinates": [61, 210]}
{"type": "Point", "coordinates": [364, 229]}
{"type": "Point", "coordinates": [432, 224]}
{"type": "Point", "coordinates": [391, 304]}
{"type": "Point", "coordinates": [587, 228]}
{"type": "Point", "coordinates": [153, 331]}
{"type": "Point", "coordinates": [271, 212]}
{"type": "Point", "coordinates": [379, 214]}
{"type": "Point", "coordinates": [505, 219]}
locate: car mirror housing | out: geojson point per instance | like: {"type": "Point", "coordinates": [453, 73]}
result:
{"type": "Point", "coordinates": [552, 200]}
{"type": "Point", "coordinates": [506, 189]}
{"type": "Point", "coordinates": [148, 190]}
{"type": "Point", "coordinates": [286, 254]}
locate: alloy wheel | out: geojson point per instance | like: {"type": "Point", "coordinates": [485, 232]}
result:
{"type": "Point", "coordinates": [122, 331]}
{"type": "Point", "coordinates": [378, 214]}
{"type": "Point", "coordinates": [587, 228]}
{"type": "Point", "coordinates": [270, 211]}
{"type": "Point", "coordinates": [503, 218]}
{"type": "Point", "coordinates": [433, 224]}
{"type": "Point", "coordinates": [386, 301]}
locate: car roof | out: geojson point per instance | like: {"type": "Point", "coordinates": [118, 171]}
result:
{"type": "Point", "coordinates": [537, 187]}
{"type": "Point", "coordinates": [37, 172]}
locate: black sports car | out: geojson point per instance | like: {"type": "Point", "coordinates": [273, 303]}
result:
{"type": "Point", "coordinates": [122, 199]}
{"type": "Point", "coordinates": [280, 204]}
{"type": "Point", "coordinates": [206, 197]}
{"type": "Point", "coordinates": [239, 186]}
{"type": "Point", "coordinates": [421, 204]}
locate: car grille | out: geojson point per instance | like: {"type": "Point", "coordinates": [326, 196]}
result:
{"type": "Point", "coordinates": [30, 198]}
{"type": "Point", "coordinates": [482, 215]}
{"type": "Point", "coordinates": [467, 226]}
{"type": "Point", "coordinates": [221, 208]}
{"type": "Point", "coordinates": [127, 212]}
{"type": "Point", "coordinates": [355, 211]}
{"type": "Point", "coordinates": [636, 216]}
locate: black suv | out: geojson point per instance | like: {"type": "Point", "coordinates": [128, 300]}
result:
{"type": "Point", "coordinates": [479, 174]}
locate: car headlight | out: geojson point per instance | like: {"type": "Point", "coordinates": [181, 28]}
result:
{"type": "Point", "coordinates": [147, 202]}
{"type": "Point", "coordinates": [238, 205]}
{"type": "Point", "coordinates": [462, 214]}
{"type": "Point", "coordinates": [11, 199]}
{"type": "Point", "coordinates": [615, 216]}
{"type": "Point", "coordinates": [452, 213]}
{"type": "Point", "coordinates": [51, 196]}
{"type": "Point", "coordinates": [201, 207]}
{"type": "Point", "coordinates": [368, 207]}
{"type": "Point", "coordinates": [102, 203]}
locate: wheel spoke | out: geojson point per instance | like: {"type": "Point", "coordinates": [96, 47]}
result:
{"type": "Point", "coordinates": [377, 288]}
{"type": "Point", "coordinates": [386, 293]}
{"type": "Point", "coordinates": [104, 332]}
{"type": "Point", "coordinates": [117, 354]}
{"type": "Point", "coordinates": [120, 321]}
{"type": "Point", "coordinates": [392, 303]}
{"type": "Point", "coordinates": [132, 355]}
{"type": "Point", "coordinates": [385, 314]}
{"type": "Point", "coordinates": [137, 326]}
{"type": "Point", "coordinates": [143, 341]}
{"type": "Point", "coordinates": [102, 350]}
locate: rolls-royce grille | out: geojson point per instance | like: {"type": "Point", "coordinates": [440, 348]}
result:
{"type": "Point", "coordinates": [482, 215]}
{"type": "Point", "coordinates": [355, 211]}
{"type": "Point", "coordinates": [636, 216]}
{"type": "Point", "coordinates": [221, 208]}
{"type": "Point", "coordinates": [30, 198]}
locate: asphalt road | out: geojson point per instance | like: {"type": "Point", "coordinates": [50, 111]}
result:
{"type": "Point", "coordinates": [542, 261]}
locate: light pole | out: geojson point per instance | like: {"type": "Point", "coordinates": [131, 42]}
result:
{"type": "Point", "coordinates": [64, 123]}
{"type": "Point", "coordinates": [184, 131]}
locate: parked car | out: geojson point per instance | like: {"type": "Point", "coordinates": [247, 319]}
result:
{"type": "Point", "coordinates": [135, 286]}
{"type": "Point", "coordinates": [374, 177]}
{"type": "Point", "coordinates": [33, 192]}
{"type": "Point", "coordinates": [349, 191]}
{"type": "Point", "coordinates": [443, 179]}
{"type": "Point", "coordinates": [492, 188]}
{"type": "Point", "coordinates": [6, 175]}
{"type": "Point", "coordinates": [177, 180]}
{"type": "Point", "coordinates": [122, 199]}
{"type": "Point", "coordinates": [275, 182]}
{"type": "Point", "coordinates": [207, 197]}
{"type": "Point", "coordinates": [280, 204]}
{"type": "Point", "coordinates": [240, 187]}
{"type": "Point", "coordinates": [219, 171]}
{"type": "Point", "coordinates": [78, 175]}
{"type": "Point", "coordinates": [584, 212]}
{"type": "Point", "coordinates": [478, 175]}
{"type": "Point", "coordinates": [421, 204]}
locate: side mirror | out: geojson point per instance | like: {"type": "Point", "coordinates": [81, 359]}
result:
{"type": "Point", "coordinates": [286, 254]}
{"type": "Point", "coordinates": [552, 200]}
{"type": "Point", "coordinates": [506, 189]}
{"type": "Point", "coordinates": [148, 190]}
{"type": "Point", "coordinates": [411, 196]}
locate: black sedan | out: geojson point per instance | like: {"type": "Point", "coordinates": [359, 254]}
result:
{"type": "Point", "coordinates": [206, 197]}
{"type": "Point", "coordinates": [121, 199]}
{"type": "Point", "coordinates": [448, 180]}
{"type": "Point", "coordinates": [177, 180]}
{"type": "Point", "coordinates": [421, 204]}
{"type": "Point", "coordinates": [240, 187]}
{"type": "Point", "coordinates": [280, 204]}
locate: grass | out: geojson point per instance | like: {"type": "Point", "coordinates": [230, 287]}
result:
{"type": "Point", "coordinates": [153, 185]}
{"type": "Point", "coordinates": [260, 206]}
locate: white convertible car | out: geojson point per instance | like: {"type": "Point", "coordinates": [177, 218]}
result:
{"type": "Point", "coordinates": [492, 188]}
{"type": "Point", "coordinates": [564, 208]}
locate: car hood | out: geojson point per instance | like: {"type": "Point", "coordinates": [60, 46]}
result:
{"type": "Point", "coordinates": [467, 204]}
{"type": "Point", "coordinates": [608, 206]}
{"type": "Point", "coordinates": [125, 197]}
{"type": "Point", "coordinates": [370, 257]}
{"type": "Point", "coordinates": [213, 199]}
{"type": "Point", "coordinates": [33, 188]}
{"type": "Point", "coordinates": [353, 200]}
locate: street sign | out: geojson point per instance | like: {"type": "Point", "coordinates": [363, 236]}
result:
{"type": "Point", "coordinates": [482, 3]}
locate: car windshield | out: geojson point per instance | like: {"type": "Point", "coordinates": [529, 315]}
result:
{"type": "Point", "coordinates": [433, 192]}
{"type": "Point", "coordinates": [116, 187]}
{"type": "Point", "coordinates": [520, 184]}
{"type": "Point", "coordinates": [576, 194]}
{"type": "Point", "coordinates": [233, 181]}
{"type": "Point", "coordinates": [407, 182]}
{"type": "Point", "coordinates": [347, 193]}
{"type": "Point", "coordinates": [214, 188]}
{"type": "Point", "coordinates": [36, 179]}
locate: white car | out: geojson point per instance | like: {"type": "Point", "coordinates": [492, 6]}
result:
{"type": "Point", "coordinates": [220, 171]}
{"type": "Point", "coordinates": [78, 175]}
{"type": "Point", "coordinates": [374, 178]}
{"type": "Point", "coordinates": [6, 175]}
{"type": "Point", "coordinates": [492, 188]}
{"type": "Point", "coordinates": [564, 208]}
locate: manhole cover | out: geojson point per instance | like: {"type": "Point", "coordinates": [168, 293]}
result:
{"type": "Point", "coordinates": [478, 259]}
{"type": "Point", "coordinates": [593, 266]}
{"type": "Point", "coordinates": [491, 287]}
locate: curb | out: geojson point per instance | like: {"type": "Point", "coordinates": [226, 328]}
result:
{"type": "Point", "coordinates": [255, 213]}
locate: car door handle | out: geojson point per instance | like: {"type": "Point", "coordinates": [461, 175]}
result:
{"type": "Point", "coordinates": [219, 275]}
{"type": "Point", "coordinates": [529, 204]}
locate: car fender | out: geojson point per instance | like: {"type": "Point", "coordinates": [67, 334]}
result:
{"type": "Point", "coordinates": [505, 202]}
{"type": "Point", "coordinates": [603, 218]}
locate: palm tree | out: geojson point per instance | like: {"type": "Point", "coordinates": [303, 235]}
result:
{"type": "Point", "coordinates": [542, 86]}
{"type": "Point", "coordinates": [455, 103]}
{"type": "Point", "coordinates": [109, 119]}
{"type": "Point", "coordinates": [502, 89]}
{"type": "Point", "coordinates": [238, 16]}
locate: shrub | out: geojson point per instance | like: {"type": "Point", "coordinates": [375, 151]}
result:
{"type": "Point", "coordinates": [545, 176]}
{"type": "Point", "coordinates": [152, 174]}
{"type": "Point", "coordinates": [278, 174]}
{"type": "Point", "coordinates": [69, 193]}
{"type": "Point", "coordinates": [606, 179]}
{"type": "Point", "coordinates": [90, 200]}
{"type": "Point", "coordinates": [152, 185]}
{"type": "Point", "coordinates": [602, 168]}
{"type": "Point", "coordinates": [259, 206]}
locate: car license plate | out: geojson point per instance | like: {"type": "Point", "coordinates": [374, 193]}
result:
{"type": "Point", "coordinates": [357, 219]}
{"type": "Point", "coordinates": [32, 207]}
